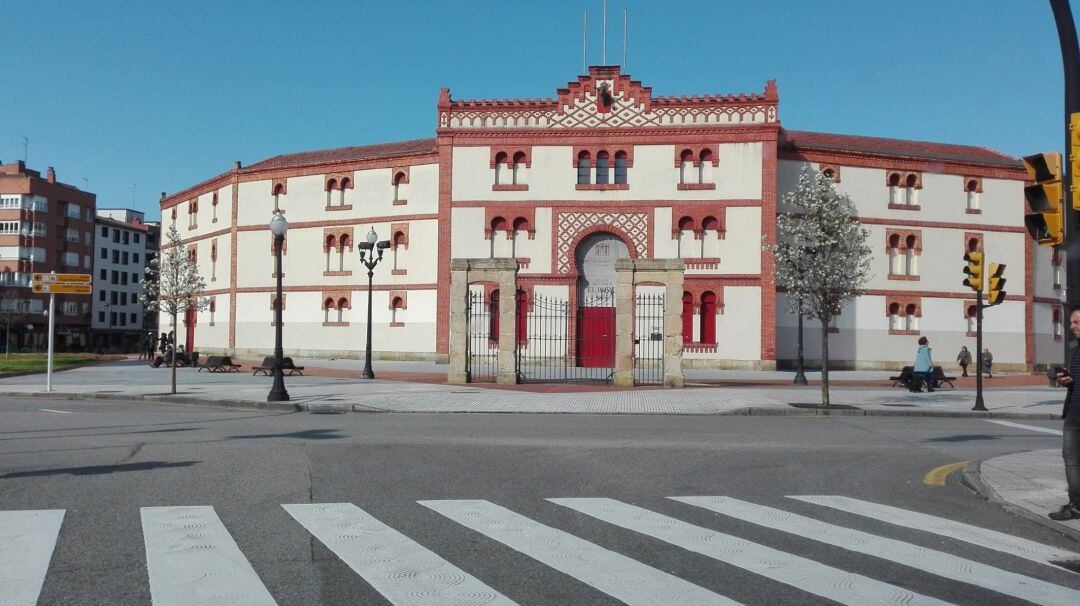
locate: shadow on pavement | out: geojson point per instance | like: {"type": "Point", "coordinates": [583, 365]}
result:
{"type": "Point", "coordinates": [94, 470]}
{"type": "Point", "coordinates": [307, 434]}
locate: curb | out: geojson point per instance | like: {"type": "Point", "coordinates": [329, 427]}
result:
{"type": "Point", "coordinates": [971, 478]}
{"type": "Point", "coordinates": [27, 373]}
{"type": "Point", "coordinates": [753, 411]}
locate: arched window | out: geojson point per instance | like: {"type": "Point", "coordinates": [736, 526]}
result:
{"type": "Point", "coordinates": [704, 165]}
{"type": "Point", "coordinates": [708, 318]}
{"type": "Point", "coordinates": [830, 173]}
{"type": "Point", "coordinates": [398, 180]}
{"type": "Point", "coordinates": [687, 318]}
{"type": "Point", "coordinates": [602, 168]}
{"type": "Point", "coordinates": [331, 185]}
{"type": "Point", "coordinates": [345, 183]}
{"type": "Point", "coordinates": [584, 168]}
{"type": "Point", "coordinates": [973, 245]}
{"type": "Point", "coordinates": [686, 227]}
{"type": "Point", "coordinates": [213, 207]}
{"type": "Point", "coordinates": [397, 243]}
{"type": "Point", "coordinates": [521, 224]}
{"type": "Point", "coordinates": [894, 188]}
{"type": "Point", "coordinates": [397, 304]}
{"type": "Point", "coordinates": [686, 163]}
{"type": "Point", "coordinates": [342, 305]}
{"type": "Point", "coordinates": [895, 321]}
{"type": "Point", "coordinates": [896, 265]}
{"type": "Point", "coordinates": [972, 318]}
{"type": "Point", "coordinates": [910, 195]}
{"type": "Point", "coordinates": [912, 319]}
{"type": "Point", "coordinates": [1056, 317]}
{"type": "Point", "coordinates": [328, 305]}
{"type": "Point", "coordinates": [519, 168]}
{"type": "Point", "coordinates": [279, 189]}
{"type": "Point", "coordinates": [330, 245]}
{"type": "Point", "coordinates": [620, 167]}
{"type": "Point", "coordinates": [500, 168]}
{"type": "Point", "coordinates": [911, 267]}
{"type": "Point", "coordinates": [343, 246]}
{"type": "Point", "coordinates": [971, 189]}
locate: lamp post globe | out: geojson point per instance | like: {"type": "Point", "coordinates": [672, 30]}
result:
{"type": "Point", "coordinates": [278, 227]}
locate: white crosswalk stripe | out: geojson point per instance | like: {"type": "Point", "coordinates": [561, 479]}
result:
{"type": "Point", "coordinates": [914, 556]}
{"type": "Point", "coordinates": [612, 573]}
{"type": "Point", "coordinates": [402, 570]}
{"type": "Point", "coordinates": [192, 560]}
{"type": "Point", "coordinates": [825, 581]}
{"type": "Point", "coordinates": [27, 540]}
{"type": "Point", "coordinates": [983, 537]}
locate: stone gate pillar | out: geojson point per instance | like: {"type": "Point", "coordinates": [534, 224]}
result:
{"type": "Point", "coordinates": [628, 274]}
{"type": "Point", "coordinates": [464, 272]}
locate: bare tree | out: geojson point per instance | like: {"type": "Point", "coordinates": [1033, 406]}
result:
{"type": "Point", "coordinates": [12, 311]}
{"type": "Point", "coordinates": [822, 259]}
{"type": "Point", "coordinates": [172, 285]}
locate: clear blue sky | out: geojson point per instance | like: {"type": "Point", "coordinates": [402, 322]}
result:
{"type": "Point", "coordinates": [167, 94]}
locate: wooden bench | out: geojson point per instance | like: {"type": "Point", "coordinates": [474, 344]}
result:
{"type": "Point", "coordinates": [267, 367]}
{"type": "Point", "coordinates": [212, 364]}
{"type": "Point", "coordinates": [905, 377]}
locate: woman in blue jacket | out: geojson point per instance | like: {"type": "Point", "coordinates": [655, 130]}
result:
{"type": "Point", "coordinates": [924, 365]}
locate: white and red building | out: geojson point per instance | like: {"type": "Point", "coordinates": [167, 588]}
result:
{"type": "Point", "coordinates": [694, 177]}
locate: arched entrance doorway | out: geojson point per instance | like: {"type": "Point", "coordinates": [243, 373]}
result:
{"type": "Point", "coordinates": [595, 257]}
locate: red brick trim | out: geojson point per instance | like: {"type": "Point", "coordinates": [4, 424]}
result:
{"type": "Point", "coordinates": [514, 215]}
{"type": "Point", "coordinates": [699, 216]}
{"type": "Point", "coordinates": [904, 277]}
{"type": "Point", "coordinates": [601, 186]}
{"type": "Point", "coordinates": [695, 154]}
{"type": "Point", "coordinates": [333, 208]}
{"type": "Point", "coordinates": [973, 211]}
{"type": "Point", "coordinates": [332, 222]}
{"type": "Point", "coordinates": [403, 229]}
{"type": "Point", "coordinates": [343, 237]}
{"type": "Point", "coordinates": [631, 206]}
{"type": "Point", "coordinates": [1029, 304]}
{"type": "Point", "coordinates": [967, 307]}
{"type": "Point", "coordinates": [512, 151]}
{"type": "Point", "coordinates": [881, 292]}
{"type": "Point", "coordinates": [695, 186]}
{"type": "Point", "coordinates": [345, 177]}
{"type": "Point", "coordinates": [895, 206]}
{"type": "Point", "coordinates": [400, 202]}
{"type": "Point", "coordinates": [284, 300]}
{"type": "Point", "coordinates": [336, 296]}
{"type": "Point", "coordinates": [284, 243]}
{"type": "Point", "coordinates": [902, 237]}
{"type": "Point", "coordinates": [347, 272]}
{"type": "Point", "coordinates": [832, 169]}
{"type": "Point", "coordinates": [904, 301]}
{"type": "Point", "coordinates": [910, 333]}
{"type": "Point", "coordinates": [402, 294]}
{"type": "Point", "coordinates": [893, 164]}
{"type": "Point", "coordinates": [768, 233]}
{"type": "Point", "coordinates": [398, 272]}
{"type": "Point", "coordinates": [942, 224]}
{"type": "Point", "coordinates": [903, 178]}
{"type": "Point", "coordinates": [978, 184]}
{"type": "Point", "coordinates": [335, 323]}
{"type": "Point", "coordinates": [233, 261]}
{"type": "Point", "coordinates": [445, 149]}
{"type": "Point", "coordinates": [399, 170]}
{"type": "Point", "coordinates": [510, 187]}
{"type": "Point", "coordinates": [397, 324]}
{"type": "Point", "coordinates": [276, 184]}
{"type": "Point", "coordinates": [969, 236]}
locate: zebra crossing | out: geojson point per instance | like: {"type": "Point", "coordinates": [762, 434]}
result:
{"type": "Point", "coordinates": [192, 558]}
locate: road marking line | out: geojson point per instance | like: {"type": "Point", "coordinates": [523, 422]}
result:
{"type": "Point", "coordinates": [814, 577]}
{"type": "Point", "coordinates": [1056, 432]}
{"type": "Point", "coordinates": [27, 541]}
{"type": "Point", "coordinates": [937, 477]}
{"type": "Point", "coordinates": [617, 575]}
{"type": "Point", "coordinates": [990, 539]}
{"type": "Point", "coordinates": [920, 558]}
{"type": "Point", "coordinates": [63, 412]}
{"type": "Point", "coordinates": [401, 569]}
{"type": "Point", "coordinates": [191, 559]}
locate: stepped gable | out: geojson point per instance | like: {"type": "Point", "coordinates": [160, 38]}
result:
{"type": "Point", "coordinates": [794, 142]}
{"type": "Point", "coordinates": [608, 98]}
{"type": "Point", "coordinates": [346, 154]}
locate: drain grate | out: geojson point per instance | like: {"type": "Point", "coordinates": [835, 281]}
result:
{"type": "Point", "coordinates": [818, 406]}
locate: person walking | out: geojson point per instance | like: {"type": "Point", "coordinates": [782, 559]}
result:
{"type": "Point", "coordinates": [147, 347]}
{"type": "Point", "coordinates": [988, 362]}
{"type": "Point", "coordinates": [1070, 447]}
{"type": "Point", "coordinates": [163, 343]}
{"type": "Point", "coordinates": [924, 365]}
{"type": "Point", "coordinates": [964, 359]}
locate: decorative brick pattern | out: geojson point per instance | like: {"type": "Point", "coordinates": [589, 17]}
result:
{"type": "Point", "coordinates": [571, 226]}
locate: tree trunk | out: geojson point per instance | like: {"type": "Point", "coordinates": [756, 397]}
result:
{"type": "Point", "coordinates": [173, 353]}
{"type": "Point", "coordinates": [7, 342]}
{"type": "Point", "coordinates": [825, 362]}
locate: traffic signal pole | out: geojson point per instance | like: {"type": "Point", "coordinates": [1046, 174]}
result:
{"type": "Point", "coordinates": [1070, 59]}
{"type": "Point", "coordinates": [979, 403]}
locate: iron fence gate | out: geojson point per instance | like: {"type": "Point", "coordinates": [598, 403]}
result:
{"type": "Point", "coordinates": [558, 343]}
{"type": "Point", "coordinates": [482, 337]}
{"type": "Point", "coordinates": [649, 333]}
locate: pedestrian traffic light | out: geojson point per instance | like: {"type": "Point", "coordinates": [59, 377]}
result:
{"type": "Point", "coordinates": [995, 284]}
{"type": "Point", "coordinates": [1044, 197]}
{"type": "Point", "coordinates": [974, 271]}
{"type": "Point", "coordinates": [1074, 159]}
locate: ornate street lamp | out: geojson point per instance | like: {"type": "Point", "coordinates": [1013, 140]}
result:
{"type": "Point", "coordinates": [369, 258]}
{"type": "Point", "coordinates": [278, 227]}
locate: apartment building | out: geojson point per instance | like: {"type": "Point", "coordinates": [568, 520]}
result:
{"type": "Point", "coordinates": [45, 226]}
{"type": "Point", "coordinates": [120, 260]}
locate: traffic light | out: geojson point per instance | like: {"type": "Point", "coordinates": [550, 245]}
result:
{"type": "Point", "coordinates": [995, 284]}
{"type": "Point", "coordinates": [1074, 159]}
{"type": "Point", "coordinates": [974, 271]}
{"type": "Point", "coordinates": [1044, 198]}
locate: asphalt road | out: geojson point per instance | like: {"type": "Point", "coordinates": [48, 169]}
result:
{"type": "Point", "coordinates": [104, 462]}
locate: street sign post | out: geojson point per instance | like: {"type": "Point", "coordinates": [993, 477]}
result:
{"type": "Point", "coordinates": [52, 284]}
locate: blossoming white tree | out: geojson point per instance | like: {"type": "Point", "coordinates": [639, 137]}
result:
{"type": "Point", "coordinates": [822, 259]}
{"type": "Point", "coordinates": [172, 285]}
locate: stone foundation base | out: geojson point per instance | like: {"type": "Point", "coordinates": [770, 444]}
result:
{"type": "Point", "coordinates": [897, 366]}
{"type": "Point", "coordinates": [712, 364]}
